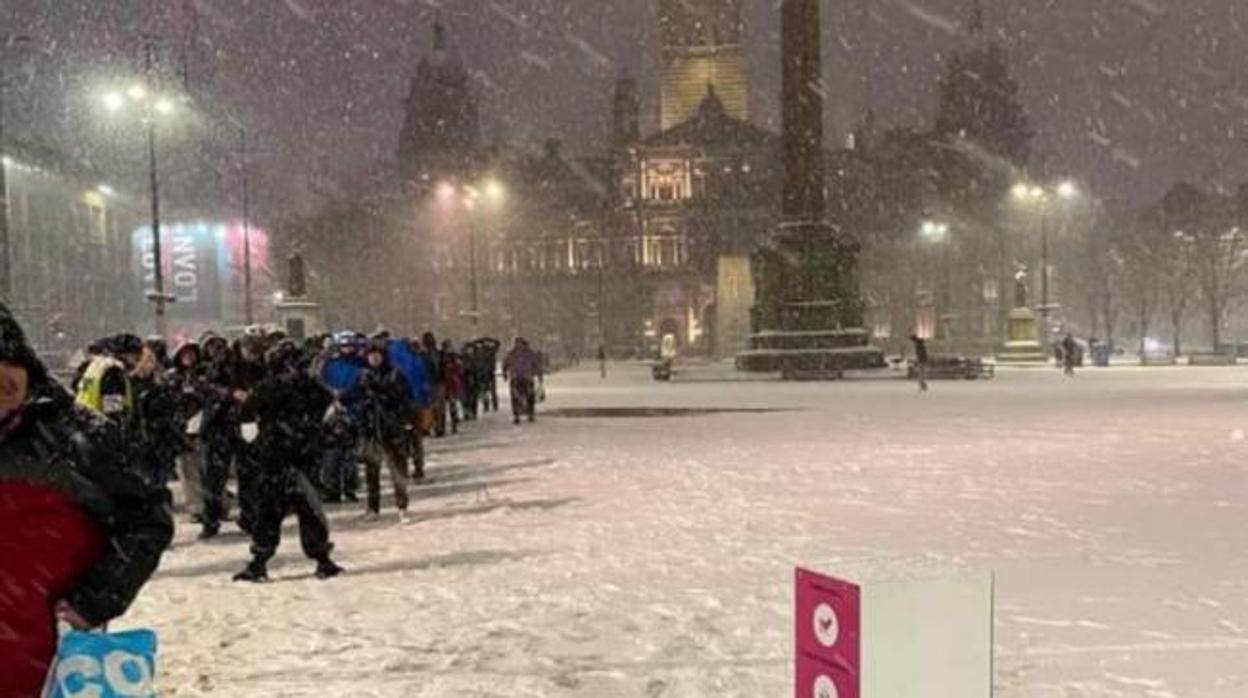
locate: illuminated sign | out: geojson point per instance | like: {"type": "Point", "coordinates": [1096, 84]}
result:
{"type": "Point", "coordinates": [203, 264]}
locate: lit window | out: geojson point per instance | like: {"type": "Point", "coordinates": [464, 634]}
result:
{"type": "Point", "coordinates": [666, 180]}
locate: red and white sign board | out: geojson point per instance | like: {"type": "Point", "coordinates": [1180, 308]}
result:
{"type": "Point", "coordinates": [829, 637]}
{"type": "Point", "coordinates": [895, 639]}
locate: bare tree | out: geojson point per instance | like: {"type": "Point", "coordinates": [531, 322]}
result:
{"type": "Point", "coordinates": [1178, 285]}
{"type": "Point", "coordinates": [1142, 263]}
{"type": "Point", "coordinates": [1206, 224]}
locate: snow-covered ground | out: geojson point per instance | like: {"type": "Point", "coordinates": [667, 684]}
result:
{"type": "Point", "coordinates": [654, 556]}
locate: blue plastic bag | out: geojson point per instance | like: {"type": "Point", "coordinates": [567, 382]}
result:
{"type": "Point", "coordinates": [104, 665]}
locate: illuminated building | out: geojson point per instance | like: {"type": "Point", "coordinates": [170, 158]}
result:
{"type": "Point", "coordinates": [702, 45]}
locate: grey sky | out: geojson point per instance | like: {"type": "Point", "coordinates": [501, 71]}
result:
{"type": "Point", "coordinates": [1131, 95]}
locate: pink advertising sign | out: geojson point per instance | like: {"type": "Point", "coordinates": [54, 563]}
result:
{"type": "Point", "coordinates": [828, 636]}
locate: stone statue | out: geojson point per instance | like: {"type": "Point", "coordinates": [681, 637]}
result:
{"type": "Point", "coordinates": [296, 282]}
{"type": "Point", "coordinates": [1020, 288]}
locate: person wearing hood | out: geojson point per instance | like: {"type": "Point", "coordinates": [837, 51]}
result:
{"type": "Point", "coordinates": [83, 531]}
{"type": "Point", "coordinates": [432, 356]}
{"type": "Point", "coordinates": [411, 367]}
{"type": "Point", "coordinates": [452, 385]}
{"type": "Point", "coordinates": [287, 408]}
{"type": "Point", "coordinates": [185, 379]}
{"type": "Point", "coordinates": [385, 416]}
{"type": "Point", "coordinates": [340, 374]}
{"type": "Point", "coordinates": [230, 375]}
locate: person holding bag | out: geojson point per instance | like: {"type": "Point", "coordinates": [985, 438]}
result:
{"type": "Point", "coordinates": [83, 530]}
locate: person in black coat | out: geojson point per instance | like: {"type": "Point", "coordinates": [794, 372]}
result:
{"type": "Point", "coordinates": [287, 407]}
{"type": "Point", "coordinates": [220, 429]}
{"type": "Point", "coordinates": [431, 355]}
{"type": "Point", "coordinates": [155, 432]}
{"type": "Point", "coordinates": [487, 372]}
{"type": "Point", "coordinates": [921, 360]}
{"type": "Point", "coordinates": [82, 531]}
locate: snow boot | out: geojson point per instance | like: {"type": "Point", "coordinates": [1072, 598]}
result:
{"type": "Point", "coordinates": [255, 572]}
{"type": "Point", "coordinates": [327, 568]}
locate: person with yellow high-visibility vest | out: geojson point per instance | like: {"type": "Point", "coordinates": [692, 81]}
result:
{"type": "Point", "coordinates": [105, 385]}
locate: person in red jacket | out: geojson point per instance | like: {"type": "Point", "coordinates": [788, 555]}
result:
{"type": "Point", "coordinates": [81, 531]}
{"type": "Point", "coordinates": [452, 383]}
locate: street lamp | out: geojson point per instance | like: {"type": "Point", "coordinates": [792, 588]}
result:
{"type": "Point", "coordinates": [494, 193]}
{"type": "Point", "coordinates": [151, 107]}
{"type": "Point", "coordinates": [1041, 197]}
{"type": "Point", "coordinates": [937, 232]}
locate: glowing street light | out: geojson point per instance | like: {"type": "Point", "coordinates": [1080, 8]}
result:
{"type": "Point", "coordinates": [137, 92]}
{"type": "Point", "coordinates": [495, 191]}
{"type": "Point", "coordinates": [105, 190]}
{"type": "Point", "coordinates": [164, 106]}
{"type": "Point", "coordinates": [114, 102]}
{"type": "Point", "coordinates": [1067, 190]}
{"type": "Point", "coordinates": [935, 231]}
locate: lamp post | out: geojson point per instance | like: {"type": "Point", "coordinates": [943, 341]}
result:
{"type": "Point", "coordinates": [937, 233]}
{"type": "Point", "coordinates": [154, 106]}
{"type": "Point", "coordinates": [490, 191]}
{"type": "Point", "coordinates": [1042, 198]}
{"type": "Point", "coordinates": [248, 309]}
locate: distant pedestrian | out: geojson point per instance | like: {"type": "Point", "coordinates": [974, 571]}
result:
{"type": "Point", "coordinates": [1070, 352]}
{"type": "Point", "coordinates": [602, 360]}
{"type": "Point", "coordinates": [523, 369]}
{"type": "Point", "coordinates": [920, 360]}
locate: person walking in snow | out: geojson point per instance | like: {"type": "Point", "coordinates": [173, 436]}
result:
{"type": "Point", "coordinates": [81, 531]}
{"type": "Point", "coordinates": [452, 384]}
{"type": "Point", "coordinates": [1070, 354]}
{"type": "Point", "coordinates": [523, 370]}
{"type": "Point", "coordinates": [921, 360]}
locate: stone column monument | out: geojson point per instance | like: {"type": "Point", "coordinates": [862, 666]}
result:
{"type": "Point", "coordinates": [807, 318]}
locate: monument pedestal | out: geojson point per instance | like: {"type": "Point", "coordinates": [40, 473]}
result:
{"type": "Point", "coordinates": [1022, 345]}
{"type": "Point", "coordinates": [300, 318]}
{"type": "Point", "coordinates": [808, 319]}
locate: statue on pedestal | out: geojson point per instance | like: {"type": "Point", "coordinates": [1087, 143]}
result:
{"type": "Point", "coordinates": [296, 280]}
{"type": "Point", "coordinates": [1020, 287]}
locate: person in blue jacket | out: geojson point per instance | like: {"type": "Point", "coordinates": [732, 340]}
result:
{"type": "Point", "coordinates": [340, 374]}
{"type": "Point", "coordinates": [399, 353]}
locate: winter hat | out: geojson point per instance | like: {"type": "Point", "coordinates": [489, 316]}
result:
{"type": "Point", "coordinates": [188, 345]}
{"type": "Point", "coordinates": [15, 349]}
{"type": "Point", "coordinates": [125, 343]}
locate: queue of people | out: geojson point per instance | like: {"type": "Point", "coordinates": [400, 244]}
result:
{"type": "Point", "coordinates": [86, 470]}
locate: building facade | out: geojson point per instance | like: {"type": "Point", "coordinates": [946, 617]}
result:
{"type": "Point", "coordinates": [622, 249]}
{"type": "Point", "coordinates": [69, 250]}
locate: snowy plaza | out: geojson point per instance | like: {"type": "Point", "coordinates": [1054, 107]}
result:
{"type": "Point", "coordinates": [616, 552]}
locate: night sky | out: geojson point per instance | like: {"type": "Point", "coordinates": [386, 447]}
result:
{"type": "Point", "coordinates": [1128, 95]}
